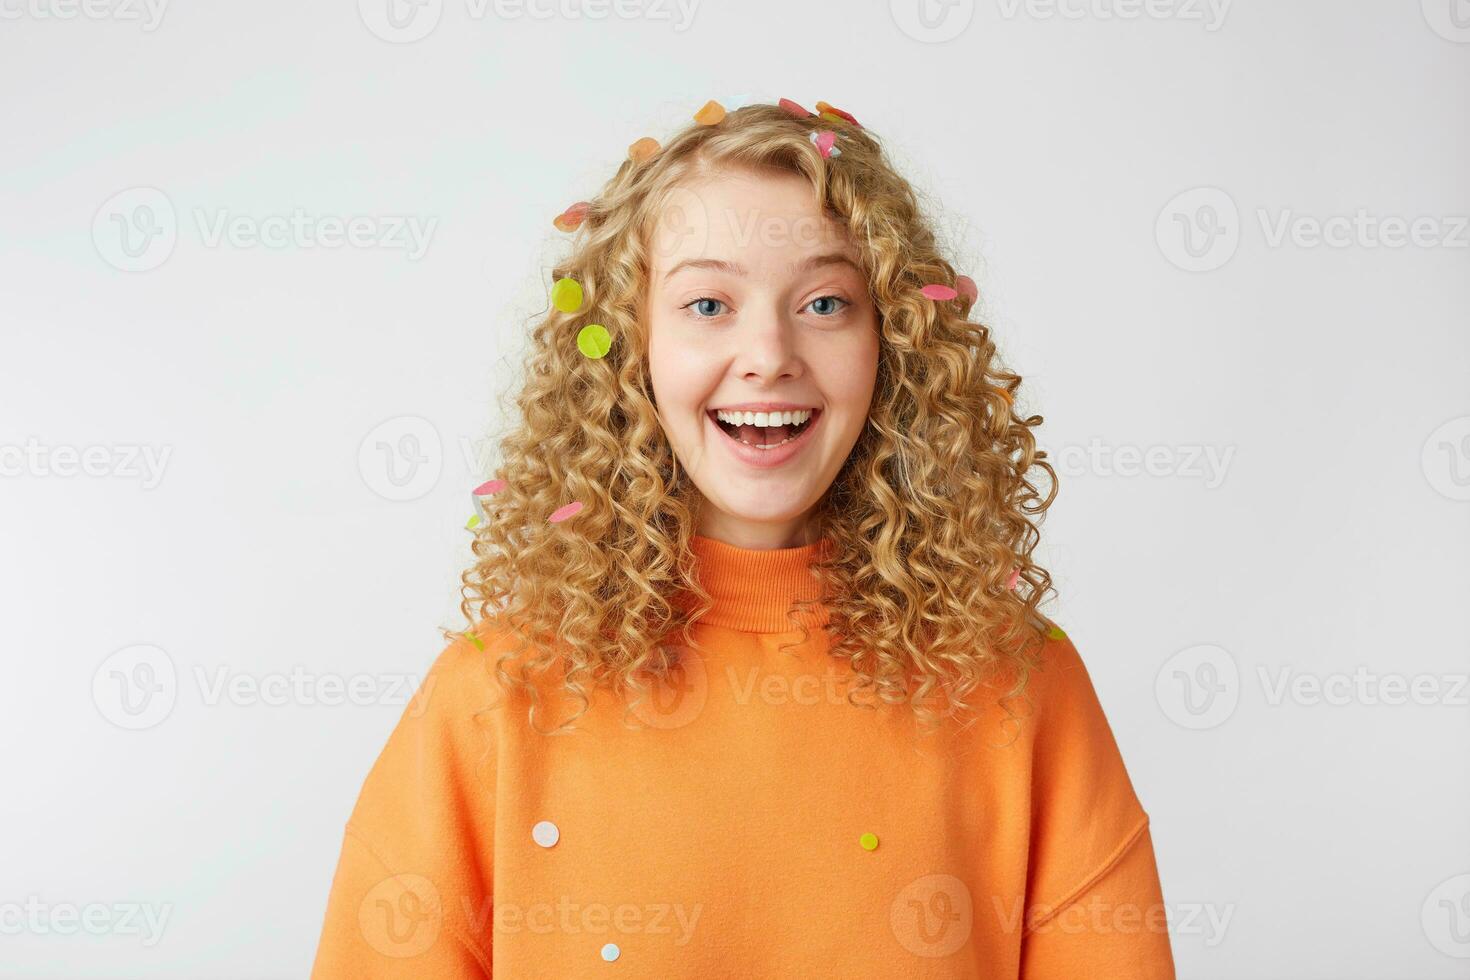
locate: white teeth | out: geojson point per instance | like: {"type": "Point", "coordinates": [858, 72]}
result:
{"type": "Point", "coordinates": [765, 419]}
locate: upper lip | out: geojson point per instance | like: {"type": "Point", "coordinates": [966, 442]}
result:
{"type": "Point", "coordinates": [764, 407]}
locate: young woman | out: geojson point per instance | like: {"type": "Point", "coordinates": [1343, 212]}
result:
{"type": "Point", "coordinates": [754, 682]}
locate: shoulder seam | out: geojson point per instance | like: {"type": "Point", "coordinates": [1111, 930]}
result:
{"type": "Point", "coordinates": [1118, 854]}
{"type": "Point", "coordinates": [468, 942]}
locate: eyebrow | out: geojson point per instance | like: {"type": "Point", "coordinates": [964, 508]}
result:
{"type": "Point", "coordinates": [734, 269]}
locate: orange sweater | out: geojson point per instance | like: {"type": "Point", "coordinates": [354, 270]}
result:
{"type": "Point", "coordinates": [756, 825]}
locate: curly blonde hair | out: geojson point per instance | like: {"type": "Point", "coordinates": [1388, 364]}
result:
{"type": "Point", "coordinates": [929, 516]}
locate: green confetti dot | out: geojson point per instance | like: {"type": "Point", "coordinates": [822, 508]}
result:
{"type": "Point", "coordinates": [473, 522]}
{"type": "Point", "coordinates": [566, 295]}
{"type": "Point", "coordinates": [594, 340]}
{"type": "Point", "coordinates": [868, 841]}
{"type": "Point", "coordinates": [1056, 633]}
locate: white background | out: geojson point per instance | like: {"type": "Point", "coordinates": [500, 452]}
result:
{"type": "Point", "coordinates": [1331, 383]}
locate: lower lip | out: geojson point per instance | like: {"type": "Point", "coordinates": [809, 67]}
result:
{"type": "Point", "coordinates": [766, 458]}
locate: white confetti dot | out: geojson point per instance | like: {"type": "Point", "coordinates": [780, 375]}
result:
{"type": "Point", "coordinates": [545, 833]}
{"type": "Point", "coordinates": [610, 952]}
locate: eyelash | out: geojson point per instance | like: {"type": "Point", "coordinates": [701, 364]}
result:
{"type": "Point", "coordinates": [711, 299]}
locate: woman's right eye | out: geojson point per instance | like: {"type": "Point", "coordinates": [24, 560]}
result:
{"type": "Point", "coordinates": [703, 305]}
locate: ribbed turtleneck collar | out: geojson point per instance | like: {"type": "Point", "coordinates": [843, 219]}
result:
{"type": "Point", "coordinates": [753, 588]}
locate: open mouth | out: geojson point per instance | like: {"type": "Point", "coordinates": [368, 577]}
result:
{"type": "Point", "coordinates": [765, 436]}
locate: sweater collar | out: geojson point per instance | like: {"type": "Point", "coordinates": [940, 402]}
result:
{"type": "Point", "coordinates": [753, 588]}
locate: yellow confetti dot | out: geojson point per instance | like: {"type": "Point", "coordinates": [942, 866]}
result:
{"type": "Point", "coordinates": [473, 522]}
{"type": "Point", "coordinates": [868, 841]}
{"type": "Point", "coordinates": [475, 639]}
{"type": "Point", "coordinates": [594, 340]}
{"type": "Point", "coordinates": [566, 295]}
{"type": "Point", "coordinates": [1056, 633]}
{"type": "Point", "coordinates": [834, 117]}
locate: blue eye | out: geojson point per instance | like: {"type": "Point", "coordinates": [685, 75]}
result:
{"type": "Point", "coordinates": [702, 304]}
{"type": "Point", "coordinates": [829, 299]}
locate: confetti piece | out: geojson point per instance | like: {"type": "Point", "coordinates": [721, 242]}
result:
{"type": "Point", "coordinates": [642, 150]}
{"type": "Point", "coordinates": [488, 487]}
{"type": "Point", "coordinates": [1014, 580]}
{"type": "Point", "coordinates": [546, 833]}
{"type": "Point", "coordinates": [831, 110]}
{"type": "Point", "coordinates": [611, 952]}
{"type": "Point", "coordinates": [594, 341]}
{"type": "Point", "coordinates": [1056, 633]}
{"type": "Point", "coordinates": [795, 109]}
{"type": "Point", "coordinates": [473, 638]}
{"type": "Point", "coordinates": [966, 287]}
{"type": "Point", "coordinates": [825, 140]}
{"type": "Point", "coordinates": [868, 841]}
{"type": "Point", "coordinates": [938, 291]}
{"type": "Point", "coordinates": [562, 513]}
{"type": "Point", "coordinates": [566, 295]}
{"type": "Point", "coordinates": [571, 219]}
{"type": "Point", "coordinates": [710, 114]}
{"type": "Point", "coordinates": [472, 523]}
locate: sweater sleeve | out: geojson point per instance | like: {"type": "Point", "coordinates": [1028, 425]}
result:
{"type": "Point", "coordinates": [411, 894]}
{"type": "Point", "coordinates": [1094, 902]}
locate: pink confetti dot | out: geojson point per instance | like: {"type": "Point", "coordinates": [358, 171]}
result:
{"type": "Point", "coordinates": [1014, 580]}
{"type": "Point", "coordinates": [562, 513]}
{"type": "Point", "coordinates": [937, 290]}
{"type": "Point", "coordinates": [489, 487]}
{"type": "Point", "coordinates": [967, 287]}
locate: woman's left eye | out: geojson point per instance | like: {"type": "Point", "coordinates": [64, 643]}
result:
{"type": "Point", "coordinates": [829, 309]}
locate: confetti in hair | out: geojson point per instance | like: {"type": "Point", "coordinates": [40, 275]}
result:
{"type": "Point", "coordinates": [939, 291]}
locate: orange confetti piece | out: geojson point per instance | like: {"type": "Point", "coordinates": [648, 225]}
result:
{"type": "Point", "coordinates": [825, 108]}
{"type": "Point", "coordinates": [642, 150]}
{"type": "Point", "coordinates": [710, 114]}
{"type": "Point", "coordinates": [571, 219]}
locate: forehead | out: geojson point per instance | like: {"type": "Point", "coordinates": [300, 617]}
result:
{"type": "Point", "coordinates": [754, 218]}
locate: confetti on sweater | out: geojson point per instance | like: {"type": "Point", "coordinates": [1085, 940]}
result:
{"type": "Point", "coordinates": [868, 841]}
{"type": "Point", "coordinates": [474, 638]}
{"type": "Point", "coordinates": [1056, 633]}
{"type": "Point", "coordinates": [546, 833]}
{"type": "Point", "coordinates": [939, 291]}
{"type": "Point", "coordinates": [642, 150]}
{"type": "Point", "coordinates": [710, 114]}
{"type": "Point", "coordinates": [571, 219]}
{"type": "Point", "coordinates": [611, 952]}
{"type": "Point", "coordinates": [594, 341]}
{"type": "Point", "coordinates": [566, 295]}
{"type": "Point", "coordinates": [562, 513]}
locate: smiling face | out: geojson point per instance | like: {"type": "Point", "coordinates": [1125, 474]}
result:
{"type": "Point", "coordinates": [757, 303]}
